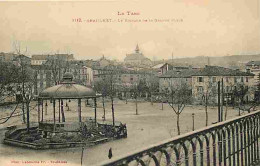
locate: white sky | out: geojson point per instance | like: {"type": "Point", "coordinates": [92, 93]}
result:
{"type": "Point", "coordinates": [209, 27]}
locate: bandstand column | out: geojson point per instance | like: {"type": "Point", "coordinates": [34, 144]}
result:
{"type": "Point", "coordinates": [79, 109]}
{"type": "Point", "coordinates": [95, 107]}
{"type": "Point", "coordinates": [62, 111]}
{"type": "Point", "coordinates": [42, 109]}
{"type": "Point", "coordinates": [46, 107]}
{"type": "Point", "coordinates": [54, 121]}
{"type": "Point", "coordinates": [39, 111]}
{"type": "Point", "coordinates": [59, 110]}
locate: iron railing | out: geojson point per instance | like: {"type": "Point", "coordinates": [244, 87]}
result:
{"type": "Point", "coordinates": [234, 142]}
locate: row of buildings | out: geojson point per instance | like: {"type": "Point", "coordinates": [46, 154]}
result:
{"type": "Point", "coordinates": [160, 78]}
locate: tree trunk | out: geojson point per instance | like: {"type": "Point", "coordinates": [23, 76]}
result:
{"type": "Point", "coordinates": [178, 123]}
{"type": "Point", "coordinates": [151, 99]}
{"type": "Point", "coordinates": [104, 109]}
{"type": "Point", "coordinates": [28, 116]}
{"type": "Point", "coordinates": [239, 109]}
{"type": "Point", "coordinates": [136, 108]}
{"type": "Point", "coordinates": [162, 105]}
{"type": "Point", "coordinates": [206, 111]}
{"type": "Point", "coordinates": [113, 114]}
{"type": "Point", "coordinates": [125, 97]}
{"type": "Point", "coordinates": [207, 117]}
{"type": "Point", "coordinates": [226, 110]}
{"type": "Point", "coordinates": [81, 158]}
{"type": "Point", "coordinates": [23, 112]}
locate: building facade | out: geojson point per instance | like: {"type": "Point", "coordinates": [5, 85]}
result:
{"type": "Point", "coordinates": [204, 82]}
{"type": "Point", "coordinates": [41, 59]}
{"type": "Point", "coordinates": [254, 67]}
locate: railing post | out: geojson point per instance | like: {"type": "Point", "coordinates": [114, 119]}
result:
{"type": "Point", "coordinates": [156, 161]}
{"type": "Point", "coordinates": [177, 154]}
{"type": "Point", "coordinates": [237, 134]}
{"type": "Point", "coordinates": [194, 153]}
{"type": "Point", "coordinates": [219, 133]}
{"type": "Point", "coordinates": [168, 158]}
{"type": "Point", "coordinates": [251, 140]}
{"type": "Point", "coordinates": [140, 161]}
{"type": "Point", "coordinates": [229, 146]}
{"type": "Point", "coordinates": [257, 137]}
{"type": "Point", "coordinates": [186, 153]}
{"type": "Point", "coordinates": [201, 151]}
{"type": "Point", "coordinates": [214, 149]}
{"type": "Point", "coordinates": [245, 142]}
{"type": "Point", "coordinates": [224, 147]}
{"type": "Point", "coordinates": [234, 144]}
{"type": "Point", "coordinates": [208, 150]}
{"type": "Point", "coordinates": [241, 140]}
{"type": "Point", "coordinates": [248, 142]}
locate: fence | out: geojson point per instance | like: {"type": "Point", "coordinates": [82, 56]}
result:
{"type": "Point", "coordinates": [234, 142]}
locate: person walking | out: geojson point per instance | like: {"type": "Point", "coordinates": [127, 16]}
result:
{"type": "Point", "coordinates": [110, 153]}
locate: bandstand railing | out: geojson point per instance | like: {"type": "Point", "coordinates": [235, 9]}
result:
{"type": "Point", "coordinates": [234, 142]}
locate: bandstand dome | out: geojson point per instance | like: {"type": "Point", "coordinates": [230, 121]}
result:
{"type": "Point", "coordinates": [68, 89]}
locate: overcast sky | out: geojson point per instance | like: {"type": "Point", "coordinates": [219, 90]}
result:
{"type": "Point", "coordinates": [209, 28]}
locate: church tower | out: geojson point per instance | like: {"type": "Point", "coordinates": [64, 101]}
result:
{"type": "Point", "coordinates": [137, 49]}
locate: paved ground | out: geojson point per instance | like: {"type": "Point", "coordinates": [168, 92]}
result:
{"type": "Point", "coordinates": [151, 126]}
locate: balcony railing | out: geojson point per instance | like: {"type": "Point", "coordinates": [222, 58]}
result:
{"type": "Point", "coordinates": [234, 142]}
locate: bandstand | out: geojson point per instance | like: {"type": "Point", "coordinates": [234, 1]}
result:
{"type": "Point", "coordinates": [66, 90]}
{"type": "Point", "coordinates": [59, 132]}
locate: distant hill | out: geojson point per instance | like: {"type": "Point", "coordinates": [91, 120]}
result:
{"type": "Point", "coordinates": [233, 61]}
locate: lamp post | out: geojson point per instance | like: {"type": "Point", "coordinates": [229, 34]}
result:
{"type": "Point", "coordinates": [193, 124]}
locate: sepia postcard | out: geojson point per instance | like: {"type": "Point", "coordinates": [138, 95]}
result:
{"type": "Point", "coordinates": [129, 82]}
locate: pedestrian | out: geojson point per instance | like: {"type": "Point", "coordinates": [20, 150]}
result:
{"type": "Point", "coordinates": [110, 153]}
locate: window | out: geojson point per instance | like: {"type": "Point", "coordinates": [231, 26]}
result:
{"type": "Point", "coordinates": [200, 79]}
{"type": "Point", "coordinates": [200, 88]}
{"type": "Point", "coordinates": [131, 79]}
{"type": "Point", "coordinates": [227, 79]}
{"type": "Point", "coordinates": [235, 79]}
{"type": "Point", "coordinates": [246, 79]}
{"type": "Point", "coordinates": [213, 79]}
{"type": "Point", "coordinates": [227, 89]}
{"type": "Point", "coordinates": [242, 79]}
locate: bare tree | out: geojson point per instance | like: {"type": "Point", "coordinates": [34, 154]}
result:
{"type": "Point", "coordinates": [109, 82]}
{"type": "Point", "coordinates": [153, 86]}
{"type": "Point", "coordinates": [206, 95]}
{"type": "Point", "coordinates": [8, 79]}
{"type": "Point", "coordinates": [56, 65]}
{"type": "Point", "coordinates": [112, 92]}
{"type": "Point", "coordinates": [239, 93]}
{"type": "Point", "coordinates": [26, 80]}
{"type": "Point", "coordinates": [101, 86]}
{"type": "Point", "coordinates": [178, 97]}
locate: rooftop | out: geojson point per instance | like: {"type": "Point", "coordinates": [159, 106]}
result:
{"type": "Point", "coordinates": [68, 90]}
{"type": "Point", "coordinates": [220, 71]}
{"type": "Point", "coordinates": [251, 63]}
{"type": "Point", "coordinates": [206, 71]}
{"type": "Point", "coordinates": [44, 57]}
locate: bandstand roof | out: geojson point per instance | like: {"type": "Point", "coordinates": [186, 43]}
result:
{"type": "Point", "coordinates": [68, 89]}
